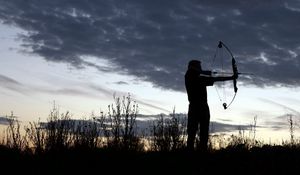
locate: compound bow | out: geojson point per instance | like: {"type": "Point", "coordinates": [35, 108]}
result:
{"type": "Point", "coordinates": [234, 72]}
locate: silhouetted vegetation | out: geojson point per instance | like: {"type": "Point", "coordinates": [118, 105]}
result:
{"type": "Point", "coordinates": [168, 133]}
{"type": "Point", "coordinates": [113, 140]}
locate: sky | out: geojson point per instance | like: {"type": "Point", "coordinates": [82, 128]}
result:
{"type": "Point", "coordinates": [78, 54]}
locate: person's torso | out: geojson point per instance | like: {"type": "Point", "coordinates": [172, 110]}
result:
{"type": "Point", "coordinates": [196, 87]}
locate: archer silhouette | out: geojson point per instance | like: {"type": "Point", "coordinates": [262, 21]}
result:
{"type": "Point", "coordinates": [196, 81]}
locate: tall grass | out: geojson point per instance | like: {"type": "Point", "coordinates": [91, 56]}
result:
{"type": "Point", "coordinates": [291, 128]}
{"type": "Point", "coordinates": [244, 139]}
{"type": "Point", "coordinates": [36, 136]}
{"type": "Point", "coordinates": [168, 133]}
{"type": "Point", "coordinates": [118, 130]}
{"type": "Point", "coordinates": [14, 139]}
{"type": "Point", "coordinates": [122, 131]}
{"type": "Point", "coordinates": [85, 134]}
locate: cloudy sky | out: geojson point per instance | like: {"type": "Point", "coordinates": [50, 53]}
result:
{"type": "Point", "coordinates": [79, 53]}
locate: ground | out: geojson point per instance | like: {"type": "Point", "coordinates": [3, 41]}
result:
{"type": "Point", "coordinates": [265, 160]}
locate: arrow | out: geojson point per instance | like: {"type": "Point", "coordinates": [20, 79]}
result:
{"type": "Point", "coordinates": [239, 73]}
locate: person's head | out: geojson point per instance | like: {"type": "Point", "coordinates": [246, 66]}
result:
{"type": "Point", "coordinates": [195, 65]}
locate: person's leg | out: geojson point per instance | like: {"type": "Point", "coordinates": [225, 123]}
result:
{"type": "Point", "coordinates": [204, 128]}
{"type": "Point", "coordinates": [192, 127]}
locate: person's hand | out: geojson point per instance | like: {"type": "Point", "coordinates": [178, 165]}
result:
{"type": "Point", "coordinates": [235, 76]}
{"type": "Point", "coordinates": [209, 73]}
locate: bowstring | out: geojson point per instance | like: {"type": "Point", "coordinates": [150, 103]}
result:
{"type": "Point", "coordinates": [211, 66]}
{"type": "Point", "coordinates": [222, 70]}
{"type": "Point", "coordinates": [220, 52]}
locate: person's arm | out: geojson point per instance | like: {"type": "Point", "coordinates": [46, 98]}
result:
{"type": "Point", "coordinates": [224, 78]}
{"type": "Point", "coordinates": [206, 72]}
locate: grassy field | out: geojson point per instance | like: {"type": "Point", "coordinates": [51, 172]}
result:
{"type": "Point", "coordinates": [111, 144]}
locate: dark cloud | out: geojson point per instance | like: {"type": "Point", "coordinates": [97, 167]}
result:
{"type": "Point", "coordinates": [11, 84]}
{"type": "Point", "coordinates": [121, 83]}
{"type": "Point", "coordinates": [287, 108]}
{"type": "Point", "coordinates": [118, 94]}
{"type": "Point", "coordinates": [14, 85]}
{"type": "Point", "coordinates": [144, 123]}
{"type": "Point", "coordinates": [143, 103]}
{"type": "Point", "coordinates": [101, 90]}
{"type": "Point", "coordinates": [83, 90]}
{"type": "Point", "coordinates": [217, 127]}
{"type": "Point", "coordinates": [154, 40]}
{"type": "Point", "coordinates": [4, 121]}
{"type": "Point", "coordinates": [282, 122]}
{"type": "Point", "coordinates": [67, 91]}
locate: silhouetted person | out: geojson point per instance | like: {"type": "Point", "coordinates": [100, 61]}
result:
{"type": "Point", "coordinates": [196, 81]}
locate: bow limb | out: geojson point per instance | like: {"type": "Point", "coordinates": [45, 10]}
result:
{"type": "Point", "coordinates": [235, 74]}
